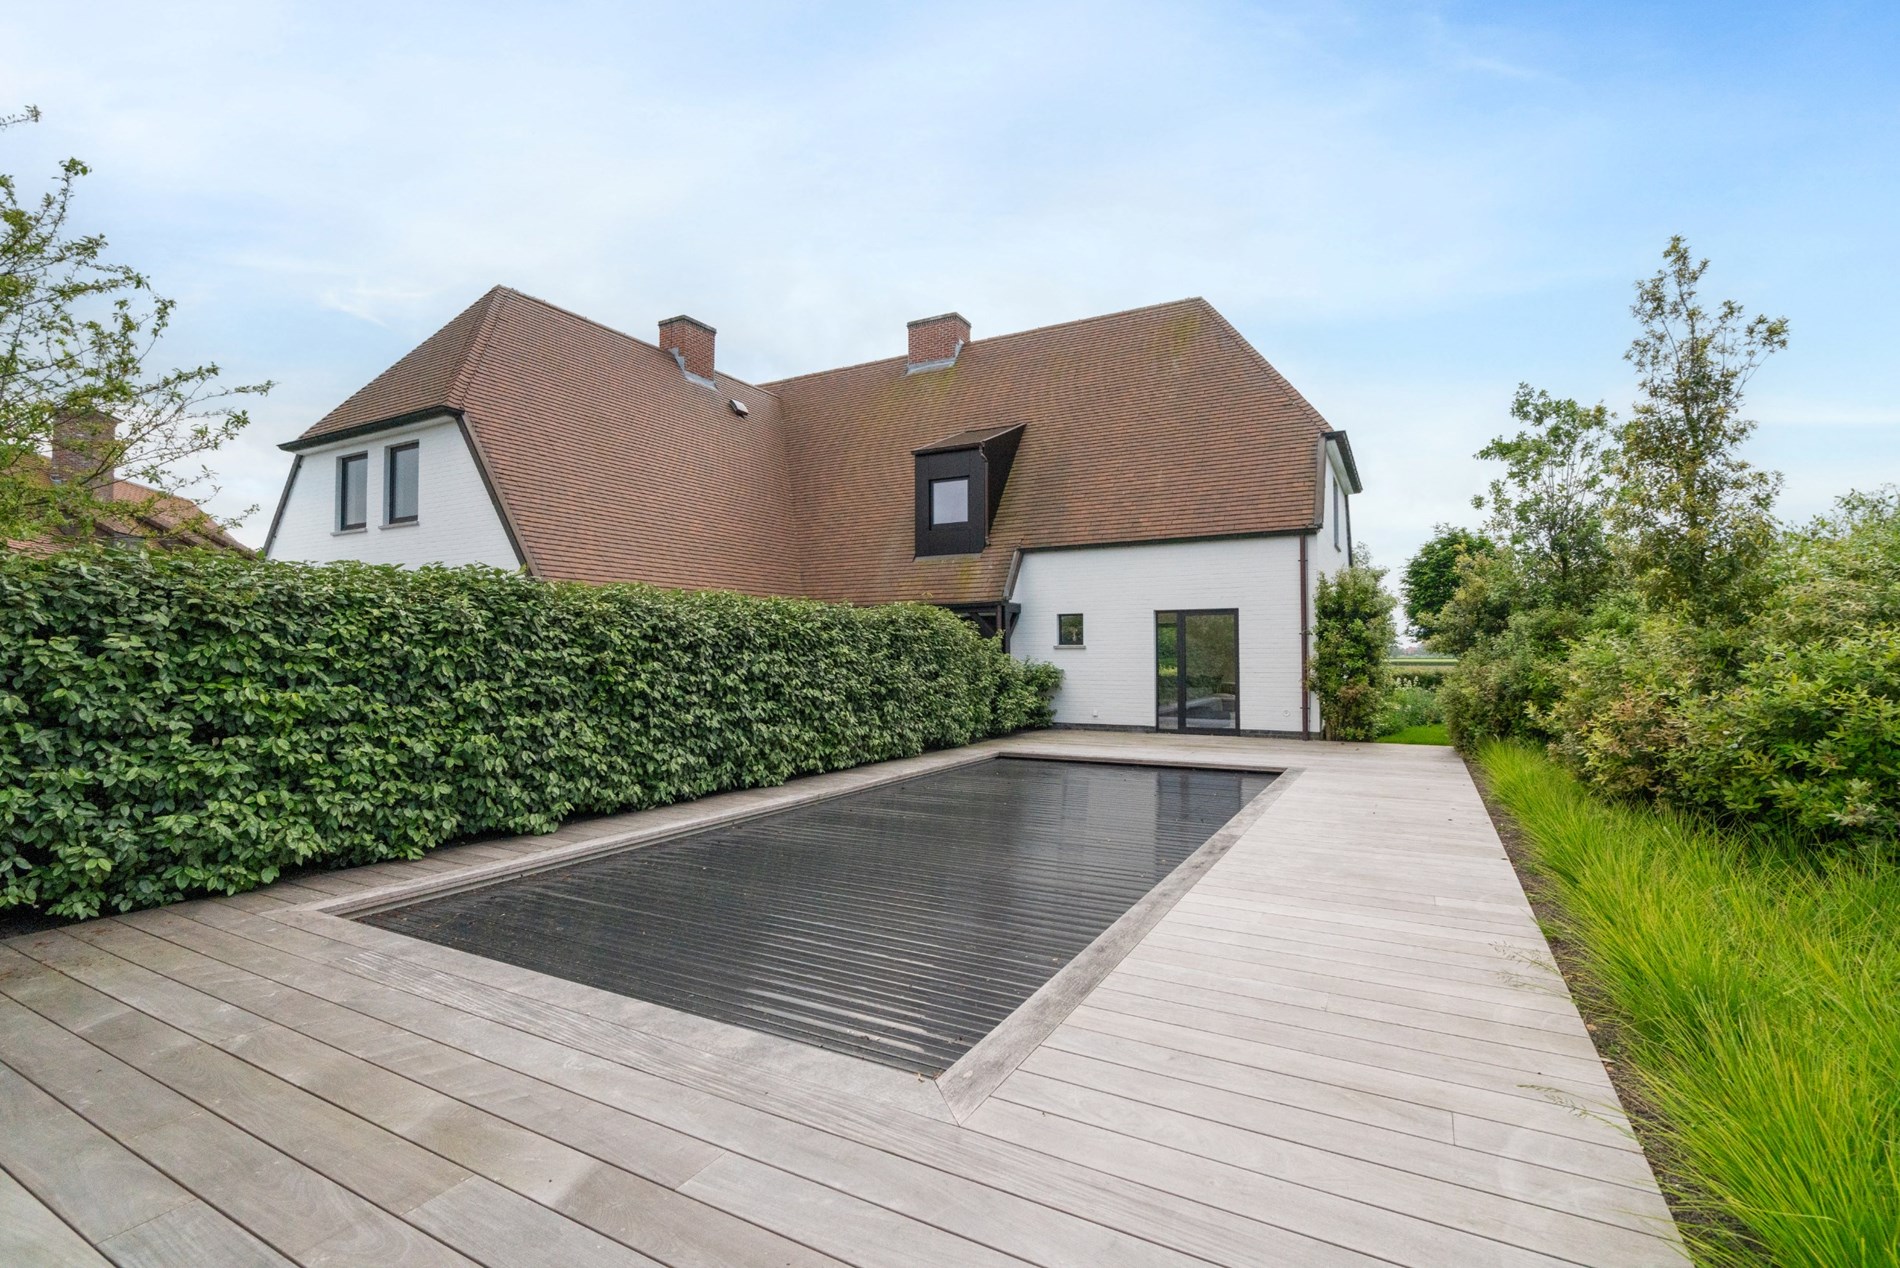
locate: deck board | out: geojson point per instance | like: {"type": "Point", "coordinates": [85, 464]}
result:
{"type": "Point", "coordinates": [30, 1233]}
{"type": "Point", "coordinates": [1344, 1044]}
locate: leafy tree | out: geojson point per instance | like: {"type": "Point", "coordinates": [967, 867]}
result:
{"type": "Point", "coordinates": [1548, 507]}
{"type": "Point", "coordinates": [75, 332]}
{"type": "Point", "coordinates": [1695, 516]}
{"type": "Point", "coordinates": [1353, 628]}
{"type": "Point", "coordinates": [1431, 578]}
{"type": "Point", "coordinates": [1515, 610]}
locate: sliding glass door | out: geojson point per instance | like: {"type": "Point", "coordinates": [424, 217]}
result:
{"type": "Point", "coordinates": [1197, 670]}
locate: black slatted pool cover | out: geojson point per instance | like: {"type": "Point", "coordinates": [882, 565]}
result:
{"type": "Point", "coordinates": [899, 924]}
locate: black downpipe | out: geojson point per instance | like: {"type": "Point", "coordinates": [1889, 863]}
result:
{"type": "Point", "coordinates": [1306, 696]}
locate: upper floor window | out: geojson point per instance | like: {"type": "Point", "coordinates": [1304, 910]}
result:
{"type": "Point", "coordinates": [950, 501]}
{"type": "Point", "coordinates": [399, 485]}
{"type": "Point", "coordinates": [352, 491]}
{"type": "Point", "coordinates": [1069, 629]}
{"type": "Point", "coordinates": [1337, 516]}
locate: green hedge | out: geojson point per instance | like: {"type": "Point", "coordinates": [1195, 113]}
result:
{"type": "Point", "coordinates": [193, 723]}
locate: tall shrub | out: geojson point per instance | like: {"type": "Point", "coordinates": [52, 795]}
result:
{"type": "Point", "coordinates": [1353, 632]}
{"type": "Point", "coordinates": [1516, 609]}
{"type": "Point", "coordinates": [1790, 717]}
{"type": "Point", "coordinates": [193, 723]}
{"type": "Point", "coordinates": [1511, 647]}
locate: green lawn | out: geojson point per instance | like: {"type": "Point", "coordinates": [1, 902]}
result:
{"type": "Point", "coordinates": [1755, 996]}
{"type": "Point", "coordinates": [1434, 733]}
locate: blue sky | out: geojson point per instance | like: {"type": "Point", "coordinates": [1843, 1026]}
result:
{"type": "Point", "coordinates": [1408, 208]}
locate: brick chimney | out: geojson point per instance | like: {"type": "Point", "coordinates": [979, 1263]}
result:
{"type": "Point", "coordinates": [85, 447]}
{"type": "Point", "coordinates": [936, 341]}
{"type": "Point", "coordinates": [691, 343]}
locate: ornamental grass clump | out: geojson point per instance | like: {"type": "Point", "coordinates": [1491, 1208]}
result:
{"type": "Point", "coordinates": [179, 724]}
{"type": "Point", "coordinates": [1755, 983]}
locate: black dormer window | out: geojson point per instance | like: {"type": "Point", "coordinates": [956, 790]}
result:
{"type": "Point", "coordinates": [959, 487]}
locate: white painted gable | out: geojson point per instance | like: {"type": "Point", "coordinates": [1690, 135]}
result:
{"type": "Point", "coordinates": [456, 520]}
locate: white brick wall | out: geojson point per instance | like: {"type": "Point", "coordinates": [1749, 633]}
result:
{"type": "Point", "coordinates": [1110, 681]}
{"type": "Point", "coordinates": [1118, 589]}
{"type": "Point", "coordinates": [455, 523]}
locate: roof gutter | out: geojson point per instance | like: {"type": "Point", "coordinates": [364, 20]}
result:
{"type": "Point", "coordinates": [1015, 567]}
{"type": "Point", "coordinates": [1306, 687]}
{"type": "Point", "coordinates": [364, 429]}
{"type": "Point", "coordinates": [1337, 439]}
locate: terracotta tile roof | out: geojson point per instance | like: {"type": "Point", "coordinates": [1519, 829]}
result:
{"type": "Point", "coordinates": [139, 513]}
{"type": "Point", "coordinates": [432, 376]}
{"type": "Point", "coordinates": [611, 465]}
{"type": "Point", "coordinates": [165, 518]}
{"type": "Point", "coordinates": [1146, 425]}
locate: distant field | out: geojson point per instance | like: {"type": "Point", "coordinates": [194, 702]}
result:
{"type": "Point", "coordinates": [1426, 670]}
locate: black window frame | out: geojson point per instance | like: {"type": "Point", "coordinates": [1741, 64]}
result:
{"type": "Point", "coordinates": [1180, 616]}
{"type": "Point", "coordinates": [343, 461]}
{"type": "Point", "coordinates": [1062, 638]}
{"type": "Point", "coordinates": [389, 482]}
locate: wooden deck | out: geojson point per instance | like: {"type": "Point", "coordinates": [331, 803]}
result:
{"type": "Point", "coordinates": [1344, 1043]}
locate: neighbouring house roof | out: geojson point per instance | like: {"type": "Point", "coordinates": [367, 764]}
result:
{"type": "Point", "coordinates": [1156, 424]}
{"type": "Point", "coordinates": [138, 513]}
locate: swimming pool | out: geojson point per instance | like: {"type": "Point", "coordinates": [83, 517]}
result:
{"type": "Point", "coordinates": [900, 923]}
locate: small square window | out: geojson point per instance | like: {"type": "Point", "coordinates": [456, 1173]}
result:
{"type": "Point", "coordinates": [950, 501]}
{"type": "Point", "coordinates": [401, 485]}
{"type": "Point", "coordinates": [352, 491]}
{"type": "Point", "coordinates": [1069, 630]}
